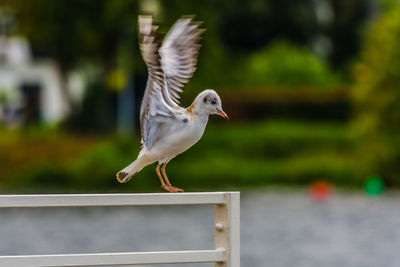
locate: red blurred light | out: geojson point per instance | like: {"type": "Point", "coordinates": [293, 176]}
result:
{"type": "Point", "coordinates": [321, 190]}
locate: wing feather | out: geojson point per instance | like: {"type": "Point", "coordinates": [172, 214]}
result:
{"type": "Point", "coordinates": [179, 53]}
{"type": "Point", "coordinates": [170, 67]}
{"type": "Point", "coordinates": [156, 106]}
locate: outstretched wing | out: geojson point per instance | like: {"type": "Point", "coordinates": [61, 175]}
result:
{"type": "Point", "coordinates": [157, 107]}
{"type": "Point", "coordinates": [179, 53]}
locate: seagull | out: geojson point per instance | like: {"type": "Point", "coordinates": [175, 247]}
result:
{"type": "Point", "coordinates": [168, 129]}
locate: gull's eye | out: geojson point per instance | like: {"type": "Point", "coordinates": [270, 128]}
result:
{"type": "Point", "coordinates": [213, 102]}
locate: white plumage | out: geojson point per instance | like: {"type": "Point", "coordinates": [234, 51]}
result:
{"type": "Point", "coordinates": [166, 128]}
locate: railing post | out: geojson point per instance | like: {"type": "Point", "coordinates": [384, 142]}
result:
{"type": "Point", "coordinates": [227, 229]}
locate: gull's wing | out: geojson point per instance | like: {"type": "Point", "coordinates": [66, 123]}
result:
{"type": "Point", "coordinates": [157, 107]}
{"type": "Point", "coordinates": [179, 55]}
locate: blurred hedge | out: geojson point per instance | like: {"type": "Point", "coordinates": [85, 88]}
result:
{"type": "Point", "coordinates": [228, 156]}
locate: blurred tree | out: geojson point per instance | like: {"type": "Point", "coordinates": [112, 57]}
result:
{"type": "Point", "coordinates": [236, 28]}
{"type": "Point", "coordinates": [284, 64]}
{"type": "Point", "coordinates": [104, 33]}
{"type": "Point", "coordinates": [75, 31]}
{"type": "Point", "coordinates": [376, 95]}
{"type": "Point", "coordinates": [344, 31]}
{"type": "Point", "coordinates": [251, 25]}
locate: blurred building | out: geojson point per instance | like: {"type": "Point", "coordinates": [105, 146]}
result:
{"type": "Point", "coordinates": [30, 90]}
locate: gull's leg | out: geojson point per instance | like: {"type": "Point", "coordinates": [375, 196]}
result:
{"type": "Point", "coordinates": [176, 189]}
{"type": "Point", "coordinates": [163, 185]}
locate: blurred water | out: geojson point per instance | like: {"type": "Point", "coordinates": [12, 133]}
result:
{"type": "Point", "coordinates": [278, 228]}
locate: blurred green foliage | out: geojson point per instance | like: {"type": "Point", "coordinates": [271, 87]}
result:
{"type": "Point", "coordinates": [235, 155]}
{"type": "Point", "coordinates": [274, 64]}
{"type": "Point", "coordinates": [281, 58]}
{"type": "Point", "coordinates": [95, 114]}
{"type": "Point", "coordinates": [74, 32]}
{"type": "Point", "coordinates": [376, 95]}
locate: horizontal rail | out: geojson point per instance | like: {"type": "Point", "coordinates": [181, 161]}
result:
{"type": "Point", "coordinates": [128, 258]}
{"type": "Point", "coordinates": [86, 200]}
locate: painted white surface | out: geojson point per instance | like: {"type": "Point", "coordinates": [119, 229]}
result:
{"type": "Point", "coordinates": [80, 200]}
{"type": "Point", "coordinates": [127, 258]}
{"type": "Point", "coordinates": [227, 253]}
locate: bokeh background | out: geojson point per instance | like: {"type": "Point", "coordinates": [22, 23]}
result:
{"type": "Point", "coordinates": [312, 88]}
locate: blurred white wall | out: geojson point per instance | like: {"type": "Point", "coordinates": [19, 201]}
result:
{"type": "Point", "coordinates": [18, 68]}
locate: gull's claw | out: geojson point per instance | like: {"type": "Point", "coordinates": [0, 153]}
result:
{"type": "Point", "coordinates": [172, 189]}
{"type": "Point", "coordinates": [177, 189]}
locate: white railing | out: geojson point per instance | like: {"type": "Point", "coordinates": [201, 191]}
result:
{"type": "Point", "coordinates": [226, 251]}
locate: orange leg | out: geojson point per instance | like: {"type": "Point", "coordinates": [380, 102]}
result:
{"type": "Point", "coordinates": [166, 187]}
{"type": "Point", "coordinates": [176, 189]}
{"type": "Point", "coordinates": [163, 185]}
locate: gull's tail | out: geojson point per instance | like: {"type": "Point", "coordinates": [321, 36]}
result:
{"type": "Point", "coordinates": [129, 171]}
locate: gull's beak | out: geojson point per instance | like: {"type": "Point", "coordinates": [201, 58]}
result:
{"type": "Point", "coordinates": [223, 114]}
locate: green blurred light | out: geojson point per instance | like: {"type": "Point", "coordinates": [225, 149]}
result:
{"type": "Point", "coordinates": [374, 186]}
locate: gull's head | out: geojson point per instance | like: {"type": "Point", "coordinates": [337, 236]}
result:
{"type": "Point", "coordinates": [209, 102]}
